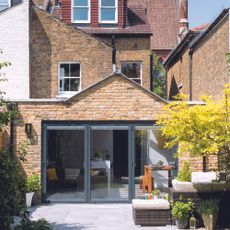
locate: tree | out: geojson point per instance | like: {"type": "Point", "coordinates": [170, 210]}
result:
{"type": "Point", "coordinates": [198, 130]}
{"type": "Point", "coordinates": [12, 183]}
{"type": "Point", "coordinates": [159, 77]}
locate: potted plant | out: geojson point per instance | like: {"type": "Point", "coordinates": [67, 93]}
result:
{"type": "Point", "coordinates": [209, 210]}
{"type": "Point", "coordinates": [32, 185]}
{"type": "Point", "coordinates": [181, 211]}
{"type": "Point", "coordinates": [156, 193]}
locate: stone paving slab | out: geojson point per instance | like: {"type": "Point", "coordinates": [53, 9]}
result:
{"type": "Point", "coordinates": [90, 216]}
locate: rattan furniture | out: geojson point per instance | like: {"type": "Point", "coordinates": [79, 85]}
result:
{"type": "Point", "coordinates": [151, 212]}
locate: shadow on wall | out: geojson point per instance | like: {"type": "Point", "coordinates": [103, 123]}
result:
{"type": "Point", "coordinates": [173, 89]}
{"type": "Point", "coordinates": [40, 59]}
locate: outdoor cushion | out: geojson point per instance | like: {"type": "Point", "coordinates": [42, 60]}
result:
{"type": "Point", "coordinates": [203, 177]}
{"type": "Point", "coordinates": [151, 204]}
{"type": "Point", "coordinates": [51, 174]}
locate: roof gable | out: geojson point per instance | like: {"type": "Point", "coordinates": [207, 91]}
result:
{"type": "Point", "coordinates": [117, 98]}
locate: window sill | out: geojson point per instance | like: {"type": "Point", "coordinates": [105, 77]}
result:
{"type": "Point", "coordinates": [67, 95]}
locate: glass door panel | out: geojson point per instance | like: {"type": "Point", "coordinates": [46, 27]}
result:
{"type": "Point", "coordinates": [149, 150]}
{"type": "Point", "coordinates": [65, 164]}
{"type": "Point", "coordinates": [109, 175]}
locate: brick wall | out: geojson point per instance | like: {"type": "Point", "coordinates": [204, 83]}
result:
{"type": "Point", "coordinates": [113, 99]}
{"type": "Point", "coordinates": [179, 73]}
{"type": "Point", "coordinates": [210, 68]}
{"type": "Point", "coordinates": [53, 41]}
{"type": "Point", "coordinates": [134, 49]}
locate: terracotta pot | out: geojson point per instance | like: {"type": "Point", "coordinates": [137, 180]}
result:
{"type": "Point", "coordinates": [209, 221]}
{"type": "Point", "coordinates": [181, 223]}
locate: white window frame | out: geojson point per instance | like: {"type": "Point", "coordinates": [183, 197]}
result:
{"type": "Point", "coordinates": [89, 12]}
{"type": "Point", "coordinates": [134, 62]}
{"type": "Point", "coordinates": [109, 7]}
{"type": "Point", "coordinates": [62, 92]}
{"type": "Point", "coordinates": [7, 6]}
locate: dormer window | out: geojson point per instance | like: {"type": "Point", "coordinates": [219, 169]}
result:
{"type": "Point", "coordinates": [4, 4]}
{"type": "Point", "coordinates": [108, 11]}
{"type": "Point", "coordinates": [80, 11]}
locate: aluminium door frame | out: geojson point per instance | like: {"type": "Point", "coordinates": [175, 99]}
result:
{"type": "Point", "coordinates": [87, 127]}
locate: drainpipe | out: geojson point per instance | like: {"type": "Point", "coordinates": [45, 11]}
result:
{"type": "Point", "coordinates": [114, 54]}
{"type": "Point", "coordinates": [11, 107]}
{"type": "Point", "coordinates": [190, 74]}
{"type": "Point", "coordinates": [151, 72]}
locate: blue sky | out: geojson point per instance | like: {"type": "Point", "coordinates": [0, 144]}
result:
{"type": "Point", "coordinates": [204, 11]}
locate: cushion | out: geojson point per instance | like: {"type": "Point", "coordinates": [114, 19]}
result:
{"type": "Point", "coordinates": [203, 177]}
{"type": "Point", "coordinates": [151, 204]}
{"type": "Point", "coordinates": [71, 174]}
{"type": "Point", "coordinates": [51, 174]}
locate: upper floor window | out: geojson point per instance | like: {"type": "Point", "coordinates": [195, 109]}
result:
{"type": "Point", "coordinates": [4, 4]}
{"type": "Point", "coordinates": [108, 11]}
{"type": "Point", "coordinates": [69, 77]}
{"type": "Point", "coordinates": [80, 11]}
{"type": "Point", "coordinates": [133, 71]}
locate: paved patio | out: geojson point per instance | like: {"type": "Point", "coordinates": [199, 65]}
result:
{"type": "Point", "coordinates": [90, 216]}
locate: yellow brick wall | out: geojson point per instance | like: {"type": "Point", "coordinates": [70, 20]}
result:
{"type": "Point", "coordinates": [210, 68]}
{"type": "Point", "coordinates": [112, 100]}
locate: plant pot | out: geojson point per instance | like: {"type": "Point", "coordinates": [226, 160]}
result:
{"type": "Point", "coordinates": [181, 223]}
{"type": "Point", "coordinates": [209, 221]}
{"type": "Point", "coordinates": [29, 197]}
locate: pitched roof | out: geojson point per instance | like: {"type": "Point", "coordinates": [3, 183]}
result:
{"type": "Point", "coordinates": [209, 29]}
{"type": "Point", "coordinates": [136, 24]}
{"type": "Point", "coordinates": [163, 18]}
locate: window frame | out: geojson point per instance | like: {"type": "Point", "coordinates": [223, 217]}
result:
{"type": "Point", "coordinates": [63, 92]}
{"type": "Point", "coordinates": [108, 7]}
{"type": "Point", "coordinates": [81, 21]}
{"type": "Point", "coordinates": [134, 62]}
{"type": "Point", "coordinates": [7, 6]}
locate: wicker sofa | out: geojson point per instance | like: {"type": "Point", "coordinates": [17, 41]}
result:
{"type": "Point", "coordinates": [151, 212]}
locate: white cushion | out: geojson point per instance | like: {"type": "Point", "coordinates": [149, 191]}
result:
{"type": "Point", "coordinates": [202, 177]}
{"type": "Point", "coordinates": [183, 186]}
{"type": "Point", "coordinates": [151, 204]}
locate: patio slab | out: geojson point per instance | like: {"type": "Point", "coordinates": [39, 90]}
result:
{"type": "Point", "coordinates": [89, 216]}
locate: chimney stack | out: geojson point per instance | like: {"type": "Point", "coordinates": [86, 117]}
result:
{"type": "Point", "coordinates": [184, 24]}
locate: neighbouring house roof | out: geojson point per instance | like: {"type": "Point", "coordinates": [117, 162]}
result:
{"type": "Point", "coordinates": [136, 24]}
{"type": "Point", "coordinates": [209, 29]}
{"type": "Point", "coordinates": [175, 54]}
{"type": "Point", "coordinates": [163, 18]}
{"type": "Point", "coordinates": [200, 28]}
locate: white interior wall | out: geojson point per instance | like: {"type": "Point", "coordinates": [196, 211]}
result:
{"type": "Point", "coordinates": [102, 140]}
{"type": "Point", "coordinates": [156, 153]}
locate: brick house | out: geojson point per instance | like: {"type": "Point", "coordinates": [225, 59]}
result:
{"type": "Point", "coordinates": [199, 63]}
{"type": "Point", "coordinates": [198, 66]}
{"type": "Point", "coordinates": [86, 107]}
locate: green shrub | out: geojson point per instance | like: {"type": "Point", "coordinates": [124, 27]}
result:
{"type": "Point", "coordinates": [28, 224]}
{"type": "Point", "coordinates": [181, 210]}
{"type": "Point", "coordinates": [156, 192]}
{"type": "Point", "coordinates": [33, 183]}
{"type": "Point", "coordinates": [185, 174]}
{"type": "Point", "coordinates": [12, 188]}
{"type": "Point", "coordinates": [209, 206]}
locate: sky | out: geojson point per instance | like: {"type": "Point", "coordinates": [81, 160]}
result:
{"type": "Point", "coordinates": [204, 11]}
